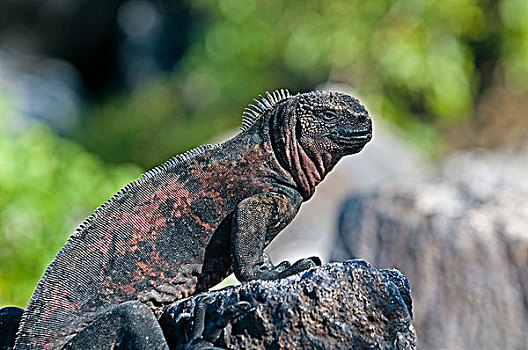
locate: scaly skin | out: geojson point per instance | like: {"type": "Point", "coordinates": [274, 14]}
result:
{"type": "Point", "coordinates": [187, 224]}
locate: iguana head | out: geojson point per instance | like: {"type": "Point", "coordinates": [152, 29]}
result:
{"type": "Point", "coordinates": [310, 132]}
{"type": "Point", "coordinates": [330, 123]}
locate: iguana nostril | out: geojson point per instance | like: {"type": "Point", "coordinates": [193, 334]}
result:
{"type": "Point", "coordinates": [364, 118]}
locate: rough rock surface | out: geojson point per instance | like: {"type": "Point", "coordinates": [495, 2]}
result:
{"type": "Point", "coordinates": [9, 320]}
{"type": "Point", "coordinates": [339, 306]}
{"type": "Point", "coordinates": [462, 240]}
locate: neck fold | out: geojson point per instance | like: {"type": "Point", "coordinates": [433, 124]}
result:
{"type": "Point", "coordinates": [307, 168]}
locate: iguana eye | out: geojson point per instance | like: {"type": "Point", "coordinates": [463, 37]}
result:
{"type": "Point", "coordinates": [329, 116]}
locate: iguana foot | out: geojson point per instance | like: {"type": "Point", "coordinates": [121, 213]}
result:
{"type": "Point", "coordinates": [270, 266]}
{"type": "Point", "coordinates": [203, 336]}
{"type": "Point", "coordinates": [267, 271]}
{"type": "Point", "coordinates": [299, 266]}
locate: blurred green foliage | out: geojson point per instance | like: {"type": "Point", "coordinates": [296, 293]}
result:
{"type": "Point", "coordinates": [48, 186]}
{"type": "Point", "coordinates": [417, 63]}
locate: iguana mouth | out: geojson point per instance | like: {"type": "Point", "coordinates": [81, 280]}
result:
{"type": "Point", "coordinates": [362, 133]}
{"type": "Point", "coordinates": [352, 136]}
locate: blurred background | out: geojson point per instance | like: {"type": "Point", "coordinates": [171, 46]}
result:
{"type": "Point", "coordinates": [94, 92]}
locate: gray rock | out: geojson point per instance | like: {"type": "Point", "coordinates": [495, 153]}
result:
{"type": "Point", "coordinates": [482, 173]}
{"type": "Point", "coordinates": [339, 306]}
{"type": "Point", "coordinates": [463, 242]}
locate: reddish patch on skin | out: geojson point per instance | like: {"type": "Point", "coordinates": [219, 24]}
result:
{"type": "Point", "coordinates": [138, 222]}
{"type": "Point", "coordinates": [230, 173]}
{"type": "Point", "coordinates": [182, 193]}
{"type": "Point", "coordinates": [160, 222]}
{"type": "Point", "coordinates": [58, 304]}
{"type": "Point", "coordinates": [118, 289]}
{"type": "Point", "coordinates": [105, 247]}
{"type": "Point", "coordinates": [128, 289]}
{"type": "Point", "coordinates": [134, 246]}
{"type": "Point", "coordinates": [161, 194]}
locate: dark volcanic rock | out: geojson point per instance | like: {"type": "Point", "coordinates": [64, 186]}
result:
{"type": "Point", "coordinates": [463, 244]}
{"type": "Point", "coordinates": [9, 320]}
{"type": "Point", "coordinates": [339, 306]}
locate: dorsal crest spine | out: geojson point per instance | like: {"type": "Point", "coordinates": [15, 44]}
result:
{"type": "Point", "coordinates": [262, 104]}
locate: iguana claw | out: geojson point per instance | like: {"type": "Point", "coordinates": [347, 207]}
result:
{"type": "Point", "coordinates": [282, 266]}
{"type": "Point", "coordinates": [299, 266]}
{"type": "Point", "coordinates": [316, 260]}
{"type": "Point", "coordinates": [204, 336]}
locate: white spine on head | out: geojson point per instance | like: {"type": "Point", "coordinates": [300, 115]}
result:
{"type": "Point", "coordinates": [262, 104]}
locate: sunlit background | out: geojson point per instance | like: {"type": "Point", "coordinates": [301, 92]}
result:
{"type": "Point", "coordinates": [93, 92]}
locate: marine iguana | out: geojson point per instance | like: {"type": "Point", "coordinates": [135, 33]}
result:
{"type": "Point", "coordinates": [186, 224]}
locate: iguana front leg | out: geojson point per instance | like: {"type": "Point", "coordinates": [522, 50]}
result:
{"type": "Point", "coordinates": [256, 221]}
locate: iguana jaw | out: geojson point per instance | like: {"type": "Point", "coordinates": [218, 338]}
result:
{"type": "Point", "coordinates": [354, 139]}
{"type": "Point", "coordinates": [350, 139]}
{"type": "Point", "coordinates": [349, 135]}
